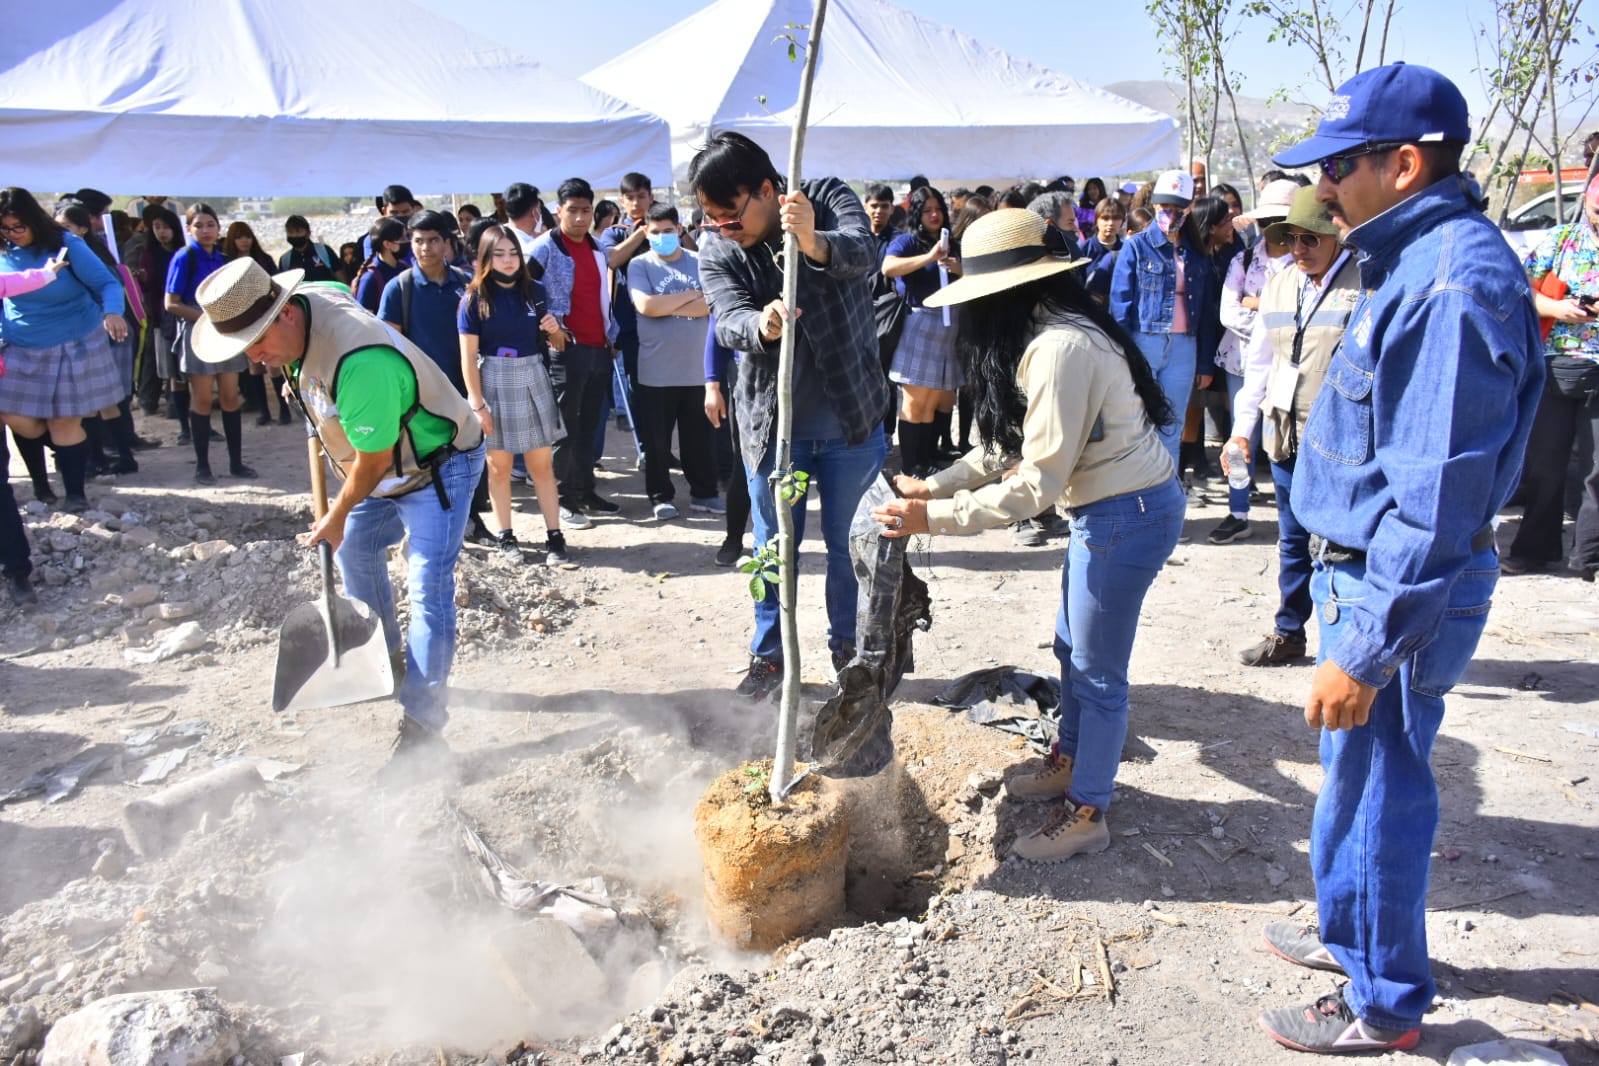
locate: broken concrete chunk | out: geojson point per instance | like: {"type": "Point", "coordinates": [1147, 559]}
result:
{"type": "Point", "coordinates": [179, 1027]}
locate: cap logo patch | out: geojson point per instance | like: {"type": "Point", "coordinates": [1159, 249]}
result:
{"type": "Point", "coordinates": [1337, 108]}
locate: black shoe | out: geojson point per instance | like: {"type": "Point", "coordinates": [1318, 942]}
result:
{"type": "Point", "coordinates": [595, 502]}
{"type": "Point", "coordinates": [1515, 565]}
{"type": "Point", "coordinates": [1229, 530]}
{"type": "Point", "coordinates": [184, 437]}
{"type": "Point", "coordinates": [240, 470]}
{"type": "Point", "coordinates": [130, 465]}
{"type": "Point", "coordinates": [22, 593]}
{"type": "Point", "coordinates": [760, 679]}
{"type": "Point", "coordinates": [44, 493]}
{"type": "Point", "coordinates": [729, 553]}
{"type": "Point", "coordinates": [75, 504]}
{"type": "Point", "coordinates": [285, 415]}
{"type": "Point", "coordinates": [478, 533]}
{"type": "Point", "coordinates": [203, 476]}
{"type": "Point", "coordinates": [264, 418]}
{"type": "Point", "coordinates": [1274, 651]}
{"type": "Point", "coordinates": [143, 444]}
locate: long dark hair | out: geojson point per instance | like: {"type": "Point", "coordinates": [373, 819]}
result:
{"type": "Point", "coordinates": [384, 229]}
{"type": "Point", "coordinates": [20, 204]}
{"type": "Point", "coordinates": [230, 246]}
{"type": "Point", "coordinates": [1090, 198]}
{"type": "Point", "coordinates": [995, 331]}
{"type": "Point", "coordinates": [918, 201]}
{"type": "Point", "coordinates": [170, 219]}
{"type": "Point", "coordinates": [78, 215]}
{"type": "Point", "coordinates": [1204, 215]}
{"type": "Point", "coordinates": [482, 286]}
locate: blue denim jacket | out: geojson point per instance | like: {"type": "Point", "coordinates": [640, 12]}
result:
{"type": "Point", "coordinates": [1417, 435]}
{"type": "Point", "coordinates": [1143, 291]}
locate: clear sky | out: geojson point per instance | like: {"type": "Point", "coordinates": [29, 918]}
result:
{"type": "Point", "coordinates": [1098, 43]}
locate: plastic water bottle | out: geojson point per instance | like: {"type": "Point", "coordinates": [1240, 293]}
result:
{"type": "Point", "coordinates": [1237, 466]}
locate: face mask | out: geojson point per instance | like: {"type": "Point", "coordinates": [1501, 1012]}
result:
{"type": "Point", "coordinates": [1165, 219]}
{"type": "Point", "coordinates": [299, 242]}
{"type": "Point", "coordinates": [503, 278]}
{"type": "Point", "coordinates": [664, 244]}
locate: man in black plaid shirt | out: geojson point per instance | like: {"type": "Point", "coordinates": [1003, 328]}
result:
{"type": "Point", "coordinates": [839, 391]}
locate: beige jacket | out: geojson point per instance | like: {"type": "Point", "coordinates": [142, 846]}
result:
{"type": "Point", "coordinates": [1085, 437]}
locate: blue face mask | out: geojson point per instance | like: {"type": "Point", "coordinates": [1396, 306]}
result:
{"type": "Point", "coordinates": [664, 244]}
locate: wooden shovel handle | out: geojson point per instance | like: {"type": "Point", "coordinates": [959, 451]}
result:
{"type": "Point", "coordinates": [319, 477]}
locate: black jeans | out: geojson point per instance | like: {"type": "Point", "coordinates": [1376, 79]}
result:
{"type": "Point", "coordinates": [579, 376]}
{"type": "Point", "coordinates": [1555, 428]}
{"type": "Point", "coordinates": [680, 407]}
{"type": "Point", "coordinates": [14, 552]}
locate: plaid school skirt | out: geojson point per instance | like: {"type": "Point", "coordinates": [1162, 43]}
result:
{"type": "Point", "coordinates": [68, 380]}
{"type": "Point", "coordinates": [522, 401]}
{"type": "Point", "coordinates": [926, 354]}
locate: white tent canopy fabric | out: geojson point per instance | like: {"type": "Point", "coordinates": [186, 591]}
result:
{"type": "Point", "coordinates": [293, 97]}
{"type": "Point", "coordinates": [895, 94]}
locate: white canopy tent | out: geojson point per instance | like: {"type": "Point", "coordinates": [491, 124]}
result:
{"type": "Point", "coordinates": [895, 94]}
{"type": "Point", "coordinates": [294, 97]}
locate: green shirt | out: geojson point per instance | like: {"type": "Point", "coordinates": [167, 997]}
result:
{"type": "Point", "coordinates": [374, 389]}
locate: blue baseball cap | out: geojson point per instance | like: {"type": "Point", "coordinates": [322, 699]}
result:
{"type": "Point", "coordinates": [1398, 103]}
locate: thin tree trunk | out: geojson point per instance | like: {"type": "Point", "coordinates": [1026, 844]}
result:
{"type": "Point", "coordinates": [1551, 87]}
{"type": "Point", "coordinates": [788, 712]}
{"type": "Point", "coordinates": [1382, 54]}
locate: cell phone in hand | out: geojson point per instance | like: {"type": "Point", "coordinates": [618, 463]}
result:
{"type": "Point", "coordinates": [1587, 303]}
{"type": "Point", "coordinates": [59, 258]}
{"type": "Point", "coordinates": [943, 243]}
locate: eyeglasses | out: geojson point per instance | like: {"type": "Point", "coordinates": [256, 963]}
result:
{"type": "Point", "coordinates": [733, 225]}
{"type": "Point", "coordinates": [1310, 241]}
{"type": "Point", "coordinates": [1335, 168]}
{"type": "Point", "coordinates": [19, 228]}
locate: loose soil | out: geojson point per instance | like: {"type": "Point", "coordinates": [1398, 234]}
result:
{"type": "Point", "coordinates": [591, 712]}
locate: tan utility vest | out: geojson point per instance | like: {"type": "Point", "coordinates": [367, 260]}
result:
{"type": "Point", "coordinates": [338, 327]}
{"type": "Point", "coordinates": [1280, 426]}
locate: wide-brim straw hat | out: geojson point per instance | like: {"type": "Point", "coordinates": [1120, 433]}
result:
{"type": "Point", "coordinates": [1001, 250]}
{"type": "Point", "coordinates": [1276, 199]}
{"type": "Point", "coordinates": [238, 303]}
{"type": "Point", "coordinates": [1307, 213]}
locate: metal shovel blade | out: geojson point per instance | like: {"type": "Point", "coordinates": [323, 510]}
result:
{"type": "Point", "coordinates": [330, 653]}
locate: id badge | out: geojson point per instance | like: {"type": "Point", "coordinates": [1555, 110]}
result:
{"type": "Point", "coordinates": [1280, 394]}
{"type": "Point", "coordinates": [507, 353]}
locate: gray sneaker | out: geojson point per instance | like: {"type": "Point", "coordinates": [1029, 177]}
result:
{"type": "Point", "coordinates": [1027, 533]}
{"type": "Point", "coordinates": [1301, 945]}
{"type": "Point", "coordinates": [574, 519]}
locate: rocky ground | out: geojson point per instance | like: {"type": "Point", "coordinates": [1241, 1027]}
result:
{"type": "Point", "coordinates": [543, 904]}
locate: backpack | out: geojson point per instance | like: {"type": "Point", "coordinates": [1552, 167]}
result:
{"type": "Point", "coordinates": [407, 280]}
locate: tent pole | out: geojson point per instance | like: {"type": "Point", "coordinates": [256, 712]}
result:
{"type": "Point", "coordinates": [788, 714]}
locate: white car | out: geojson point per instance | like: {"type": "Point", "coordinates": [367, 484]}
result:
{"type": "Point", "coordinates": [1528, 223]}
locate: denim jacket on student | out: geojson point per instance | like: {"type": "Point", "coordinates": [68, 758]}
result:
{"type": "Point", "coordinates": [1143, 290]}
{"type": "Point", "coordinates": [1416, 438]}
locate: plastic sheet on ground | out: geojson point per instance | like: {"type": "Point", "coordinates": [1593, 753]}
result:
{"type": "Point", "coordinates": [57, 782]}
{"type": "Point", "coordinates": [852, 735]}
{"type": "Point", "coordinates": [1009, 699]}
{"type": "Point", "coordinates": [585, 910]}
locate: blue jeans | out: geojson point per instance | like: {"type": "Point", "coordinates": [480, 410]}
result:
{"type": "Point", "coordinates": [1238, 499]}
{"type": "Point", "coordinates": [1117, 547]}
{"type": "Point", "coordinates": [1293, 558]}
{"type": "Point", "coordinates": [1373, 830]}
{"type": "Point", "coordinates": [1173, 357]}
{"type": "Point", "coordinates": [840, 474]}
{"type": "Point", "coordinates": [378, 523]}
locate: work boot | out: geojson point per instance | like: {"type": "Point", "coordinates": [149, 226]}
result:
{"type": "Point", "coordinates": [1070, 830]}
{"type": "Point", "coordinates": [1274, 651]}
{"type": "Point", "coordinates": [418, 753]}
{"type": "Point", "coordinates": [1049, 783]}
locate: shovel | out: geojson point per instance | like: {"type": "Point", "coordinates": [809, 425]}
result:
{"type": "Point", "coordinates": [331, 652]}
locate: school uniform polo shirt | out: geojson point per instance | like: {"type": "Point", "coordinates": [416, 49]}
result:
{"type": "Point", "coordinates": [432, 326]}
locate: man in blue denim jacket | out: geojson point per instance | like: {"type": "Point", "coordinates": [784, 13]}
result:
{"type": "Point", "coordinates": [1413, 444]}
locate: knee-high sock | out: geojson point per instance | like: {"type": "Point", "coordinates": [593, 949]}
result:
{"type": "Point", "coordinates": [200, 431]}
{"type": "Point", "coordinates": [941, 426]}
{"type": "Point", "coordinates": [233, 430]}
{"type": "Point", "coordinates": [122, 431]}
{"type": "Point", "coordinates": [32, 451]}
{"type": "Point", "coordinates": [72, 462]}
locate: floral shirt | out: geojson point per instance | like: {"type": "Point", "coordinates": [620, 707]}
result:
{"type": "Point", "coordinates": [1572, 252]}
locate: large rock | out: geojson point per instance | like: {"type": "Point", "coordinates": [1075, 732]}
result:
{"type": "Point", "coordinates": [179, 1027]}
{"type": "Point", "coordinates": [19, 1027]}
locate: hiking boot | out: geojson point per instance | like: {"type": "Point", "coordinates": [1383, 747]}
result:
{"type": "Point", "coordinates": [572, 518]}
{"type": "Point", "coordinates": [1049, 783]}
{"type": "Point", "coordinates": [1027, 533]}
{"type": "Point", "coordinates": [555, 553]}
{"type": "Point", "coordinates": [1328, 1026]}
{"type": "Point", "coordinates": [1071, 830]}
{"type": "Point", "coordinates": [760, 679]}
{"type": "Point", "coordinates": [22, 593]}
{"type": "Point", "coordinates": [1229, 530]}
{"type": "Point", "coordinates": [506, 547]}
{"type": "Point", "coordinates": [595, 502]}
{"type": "Point", "coordinates": [664, 510]}
{"type": "Point", "coordinates": [1300, 944]}
{"type": "Point", "coordinates": [1274, 650]}
{"type": "Point", "coordinates": [729, 553]}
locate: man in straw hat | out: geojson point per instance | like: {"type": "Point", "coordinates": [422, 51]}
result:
{"type": "Point", "coordinates": [1415, 441]}
{"type": "Point", "coordinates": [399, 435]}
{"type": "Point", "coordinates": [1070, 412]}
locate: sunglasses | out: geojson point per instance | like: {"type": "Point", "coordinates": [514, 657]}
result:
{"type": "Point", "coordinates": [1309, 241]}
{"type": "Point", "coordinates": [732, 225]}
{"type": "Point", "coordinates": [1335, 168]}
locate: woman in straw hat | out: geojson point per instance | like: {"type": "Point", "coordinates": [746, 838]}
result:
{"type": "Point", "coordinates": [1069, 411]}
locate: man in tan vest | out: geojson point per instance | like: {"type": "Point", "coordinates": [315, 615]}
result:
{"type": "Point", "coordinates": [1303, 313]}
{"type": "Point", "coordinates": [398, 434]}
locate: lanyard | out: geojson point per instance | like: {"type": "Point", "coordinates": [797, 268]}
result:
{"type": "Point", "coordinates": [1321, 294]}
